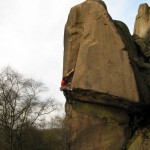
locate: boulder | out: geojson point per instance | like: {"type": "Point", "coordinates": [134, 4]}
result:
{"type": "Point", "coordinates": [95, 49]}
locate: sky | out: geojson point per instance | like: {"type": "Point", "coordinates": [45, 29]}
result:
{"type": "Point", "coordinates": [31, 36]}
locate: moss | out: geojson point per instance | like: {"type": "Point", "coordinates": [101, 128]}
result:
{"type": "Point", "coordinates": [100, 111]}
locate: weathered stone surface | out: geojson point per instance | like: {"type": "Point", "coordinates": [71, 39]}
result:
{"type": "Point", "coordinates": [134, 53]}
{"type": "Point", "coordinates": [94, 47]}
{"type": "Point", "coordinates": [143, 62]}
{"type": "Point", "coordinates": [96, 127]}
{"type": "Point", "coordinates": [141, 38]}
{"type": "Point", "coordinates": [142, 45]}
{"type": "Point", "coordinates": [140, 141]}
{"type": "Point", "coordinates": [142, 24]}
{"type": "Point", "coordinates": [109, 97]}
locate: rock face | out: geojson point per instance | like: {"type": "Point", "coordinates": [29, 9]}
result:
{"type": "Point", "coordinates": [94, 47]}
{"type": "Point", "coordinates": [108, 91]}
{"type": "Point", "coordinates": [96, 127]}
{"type": "Point", "coordinates": [141, 137]}
{"type": "Point", "coordinates": [142, 23]}
{"type": "Point", "coordinates": [142, 40]}
{"type": "Point", "coordinates": [140, 140]}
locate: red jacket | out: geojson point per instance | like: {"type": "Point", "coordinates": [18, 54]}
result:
{"type": "Point", "coordinates": [63, 83]}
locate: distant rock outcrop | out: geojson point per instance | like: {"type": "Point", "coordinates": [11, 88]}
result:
{"type": "Point", "coordinates": [106, 77]}
{"type": "Point", "coordinates": [142, 40]}
{"type": "Point", "coordinates": [142, 23]}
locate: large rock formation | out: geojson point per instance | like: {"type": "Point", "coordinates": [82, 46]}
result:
{"type": "Point", "coordinates": [141, 138]}
{"type": "Point", "coordinates": [142, 40]}
{"type": "Point", "coordinates": [99, 53]}
{"type": "Point", "coordinates": [109, 93]}
{"type": "Point", "coordinates": [142, 23]}
{"type": "Point", "coordinates": [96, 50]}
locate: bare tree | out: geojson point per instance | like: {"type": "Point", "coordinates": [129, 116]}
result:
{"type": "Point", "coordinates": [57, 122]}
{"type": "Point", "coordinates": [21, 104]}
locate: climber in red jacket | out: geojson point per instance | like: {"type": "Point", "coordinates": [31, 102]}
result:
{"type": "Point", "coordinates": [65, 81]}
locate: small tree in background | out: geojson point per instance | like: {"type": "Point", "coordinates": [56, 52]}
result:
{"type": "Point", "coordinates": [21, 104]}
{"type": "Point", "coordinates": [57, 122]}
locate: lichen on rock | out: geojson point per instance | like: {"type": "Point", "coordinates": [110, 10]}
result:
{"type": "Point", "coordinates": [91, 126]}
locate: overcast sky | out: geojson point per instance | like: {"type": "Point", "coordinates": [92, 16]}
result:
{"type": "Point", "coordinates": [31, 35]}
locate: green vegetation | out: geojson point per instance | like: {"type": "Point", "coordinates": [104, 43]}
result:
{"type": "Point", "coordinates": [99, 111]}
{"type": "Point", "coordinates": [37, 139]}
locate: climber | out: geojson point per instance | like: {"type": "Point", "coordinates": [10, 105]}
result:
{"type": "Point", "coordinates": [65, 83]}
